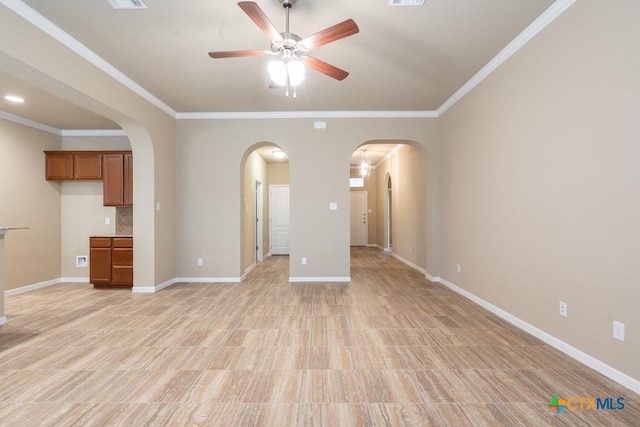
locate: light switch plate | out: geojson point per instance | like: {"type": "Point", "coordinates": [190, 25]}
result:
{"type": "Point", "coordinates": [618, 330]}
{"type": "Point", "coordinates": [333, 206]}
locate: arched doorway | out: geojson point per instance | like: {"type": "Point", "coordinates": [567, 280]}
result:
{"type": "Point", "coordinates": [264, 177]}
{"type": "Point", "coordinates": [397, 186]}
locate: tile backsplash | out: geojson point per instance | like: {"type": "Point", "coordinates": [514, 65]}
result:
{"type": "Point", "coordinates": [124, 221]}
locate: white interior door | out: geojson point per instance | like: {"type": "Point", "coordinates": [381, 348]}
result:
{"type": "Point", "coordinates": [279, 219]}
{"type": "Point", "coordinates": [359, 218]}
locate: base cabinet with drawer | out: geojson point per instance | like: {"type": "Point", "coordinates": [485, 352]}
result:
{"type": "Point", "coordinates": [111, 262]}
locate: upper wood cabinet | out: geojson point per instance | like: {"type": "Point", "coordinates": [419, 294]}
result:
{"type": "Point", "coordinates": [114, 168]}
{"type": "Point", "coordinates": [87, 166]}
{"type": "Point", "coordinates": [117, 179]}
{"type": "Point", "coordinates": [73, 165]}
{"type": "Point", "coordinates": [59, 166]}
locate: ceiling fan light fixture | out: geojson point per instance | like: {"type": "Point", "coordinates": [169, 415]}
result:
{"type": "Point", "coordinates": [281, 71]}
{"type": "Point", "coordinates": [278, 72]}
{"type": "Point", "coordinates": [295, 68]}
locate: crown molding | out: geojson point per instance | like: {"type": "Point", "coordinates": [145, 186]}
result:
{"type": "Point", "coordinates": [93, 132]}
{"type": "Point", "coordinates": [548, 16]}
{"type": "Point", "coordinates": [308, 115]}
{"type": "Point", "coordinates": [29, 123]}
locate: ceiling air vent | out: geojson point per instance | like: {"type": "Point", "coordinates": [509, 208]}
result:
{"type": "Point", "coordinates": [127, 4]}
{"type": "Point", "coordinates": [406, 2]}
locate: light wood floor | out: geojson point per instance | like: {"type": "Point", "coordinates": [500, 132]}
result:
{"type": "Point", "coordinates": [391, 348]}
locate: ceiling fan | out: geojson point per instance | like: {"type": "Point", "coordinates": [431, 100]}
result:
{"type": "Point", "coordinates": [288, 70]}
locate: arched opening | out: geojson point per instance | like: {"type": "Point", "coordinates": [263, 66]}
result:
{"type": "Point", "coordinates": [392, 178]}
{"type": "Point", "coordinates": [264, 209]}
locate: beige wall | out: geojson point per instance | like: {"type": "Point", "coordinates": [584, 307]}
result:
{"type": "Point", "coordinates": [27, 199]}
{"type": "Point", "coordinates": [255, 170]}
{"type": "Point", "coordinates": [540, 196]}
{"type": "Point", "coordinates": [82, 210]}
{"type": "Point", "coordinates": [210, 189]}
{"type": "Point", "coordinates": [278, 173]}
{"type": "Point", "coordinates": [408, 170]}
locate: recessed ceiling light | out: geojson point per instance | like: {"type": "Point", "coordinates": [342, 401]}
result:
{"type": "Point", "coordinates": [278, 154]}
{"type": "Point", "coordinates": [406, 2]}
{"type": "Point", "coordinates": [127, 4]}
{"type": "Point", "coordinates": [13, 98]}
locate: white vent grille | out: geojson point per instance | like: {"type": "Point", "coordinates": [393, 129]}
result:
{"type": "Point", "coordinates": [127, 4]}
{"type": "Point", "coordinates": [406, 2]}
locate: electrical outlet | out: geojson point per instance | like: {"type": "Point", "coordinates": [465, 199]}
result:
{"type": "Point", "coordinates": [304, 260]}
{"type": "Point", "coordinates": [618, 330]}
{"type": "Point", "coordinates": [199, 261]}
{"type": "Point", "coordinates": [458, 268]}
{"type": "Point", "coordinates": [563, 309]}
{"type": "Point", "coordinates": [107, 220]}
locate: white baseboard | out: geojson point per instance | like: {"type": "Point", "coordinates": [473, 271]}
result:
{"type": "Point", "coordinates": [143, 289]}
{"type": "Point", "coordinates": [248, 269]}
{"type": "Point", "coordinates": [431, 278]}
{"type": "Point", "coordinates": [74, 280]}
{"type": "Point", "coordinates": [590, 361]}
{"type": "Point", "coordinates": [217, 280]}
{"type": "Point", "coordinates": [152, 289]}
{"type": "Point", "coordinates": [3, 320]}
{"type": "Point", "coordinates": [409, 263]}
{"type": "Point", "coordinates": [33, 287]}
{"type": "Point", "coordinates": [319, 279]}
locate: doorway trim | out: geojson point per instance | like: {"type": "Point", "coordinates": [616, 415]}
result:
{"type": "Point", "coordinates": [388, 243]}
{"type": "Point", "coordinates": [259, 222]}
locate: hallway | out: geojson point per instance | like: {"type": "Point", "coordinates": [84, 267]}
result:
{"type": "Point", "coordinates": [390, 348]}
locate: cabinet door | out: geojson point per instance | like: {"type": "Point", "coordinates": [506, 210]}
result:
{"type": "Point", "coordinates": [59, 166]}
{"type": "Point", "coordinates": [113, 179]}
{"type": "Point", "coordinates": [100, 266]}
{"type": "Point", "coordinates": [128, 180]}
{"type": "Point", "coordinates": [87, 166]}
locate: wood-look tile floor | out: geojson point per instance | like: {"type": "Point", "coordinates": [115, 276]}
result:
{"type": "Point", "coordinates": [390, 348]}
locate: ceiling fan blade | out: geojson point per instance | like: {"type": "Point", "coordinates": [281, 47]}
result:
{"type": "Point", "coordinates": [339, 31]}
{"type": "Point", "coordinates": [325, 68]}
{"type": "Point", "coordinates": [238, 53]}
{"type": "Point", "coordinates": [258, 16]}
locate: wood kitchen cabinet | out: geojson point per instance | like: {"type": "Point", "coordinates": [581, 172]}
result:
{"type": "Point", "coordinates": [59, 166]}
{"type": "Point", "coordinates": [87, 166]}
{"type": "Point", "coordinates": [100, 260]}
{"type": "Point", "coordinates": [117, 179]}
{"type": "Point", "coordinates": [122, 261]}
{"type": "Point", "coordinates": [73, 165]}
{"type": "Point", "coordinates": [111, 262]}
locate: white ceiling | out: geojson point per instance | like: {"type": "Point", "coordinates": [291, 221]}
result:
{"type": "Point", "coordinates": [403, 58]}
